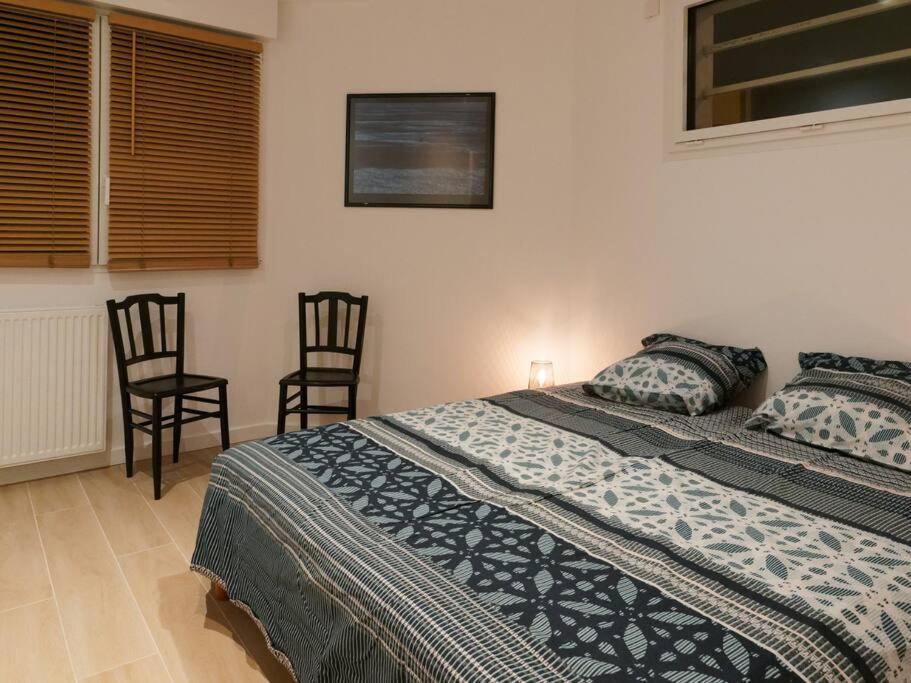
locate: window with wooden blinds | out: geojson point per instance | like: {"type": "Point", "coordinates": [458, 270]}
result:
{"type": "Point", "coordinates": [45, 133]}
{"type": "Point", "coordinates": [184, 148]}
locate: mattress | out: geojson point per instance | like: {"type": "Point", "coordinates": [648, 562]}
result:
{"type": "Point", "coordinates": [554, 536]}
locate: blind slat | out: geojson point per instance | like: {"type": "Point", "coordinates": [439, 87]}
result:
{"type": "Point", "coordinates": [44, 260]}
{"type": "Point", "coordinates": [63, 101]}
{"type": "Point", "coordinates": [45, 142]}
{"type": "Point", "coordinates": [184, 263]}
{"type": "Point", "coordinates": [18, 117]}
{"type": "Point", "coordinates": [184, 152]}
{"type": "Point", "coordinates": [210, 68]}
{"type": "Point", "coordinates": [203, 100]}
{"type": "Point", "coordinates": [194, 192]}
{"type": "Point", "coordinates": [41, 49]}
{"type": "Point", "coordinates": [31, 69]}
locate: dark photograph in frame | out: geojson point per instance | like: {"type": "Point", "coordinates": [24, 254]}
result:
{"type": "Point", "coordinates": [430, 150]}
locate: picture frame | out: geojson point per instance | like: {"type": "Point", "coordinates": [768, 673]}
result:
{"type": "Point", "coordinates": [420, 150]}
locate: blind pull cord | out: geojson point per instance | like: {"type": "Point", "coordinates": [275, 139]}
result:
{"type": "Point", "coordinates": [133, 99]}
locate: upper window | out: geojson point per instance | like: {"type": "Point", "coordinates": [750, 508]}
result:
{"type": "Point", "coordinates": [756, 60]}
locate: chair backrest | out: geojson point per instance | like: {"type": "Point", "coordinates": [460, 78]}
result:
{"type": "Point", "coordinates": [344, 332]}
{"type": "Point", "coordinates": [150, 341]}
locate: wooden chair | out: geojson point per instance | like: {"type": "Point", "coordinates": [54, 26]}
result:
{"type": "Point", "coordinates": [178, 385]}
{"type": "Point", "coordinates": [341, 338]}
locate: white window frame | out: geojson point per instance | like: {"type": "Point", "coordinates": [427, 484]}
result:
{"type": "Point", "coordinates": [96, 142]}
{"type": "Point", "coordinates": [862, 117]}
{"type": "Point", "coordinates": [102, 127]}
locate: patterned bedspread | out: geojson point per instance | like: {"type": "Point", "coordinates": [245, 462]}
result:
{"type": "Point", "coordinates": [553, 536]}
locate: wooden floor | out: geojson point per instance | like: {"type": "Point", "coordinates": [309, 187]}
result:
{"type": "Point", "coordinates": [95, 585]}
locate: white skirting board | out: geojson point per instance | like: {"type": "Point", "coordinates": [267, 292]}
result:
{"type": "Point", "coordinates": [81, 463]}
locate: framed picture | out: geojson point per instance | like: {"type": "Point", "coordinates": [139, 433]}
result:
{"type": "Point", "coordinates": [431, 150]}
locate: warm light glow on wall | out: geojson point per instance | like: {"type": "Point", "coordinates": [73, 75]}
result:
{"type": "Point", "coordinates": [541, 375]}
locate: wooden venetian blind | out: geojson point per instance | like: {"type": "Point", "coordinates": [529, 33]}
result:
{"type": "Point", "coordinates": [45, 141]}
{"type": "Point", "coordinates": [184, 148]}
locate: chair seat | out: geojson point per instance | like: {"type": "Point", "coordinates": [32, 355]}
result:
{"type": "Point", "coordinates": [163, 386]}
{"type": "Point", "coordinates": [322, 377]}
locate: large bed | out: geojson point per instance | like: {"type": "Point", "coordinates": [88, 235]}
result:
{"type": "Point", "coordinates": [556, 536]}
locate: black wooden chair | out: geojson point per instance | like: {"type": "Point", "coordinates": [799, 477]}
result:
{"type": "Point", "coordinates": [341, 338]}
{"type": "Point", "coordinates": [177, 385]}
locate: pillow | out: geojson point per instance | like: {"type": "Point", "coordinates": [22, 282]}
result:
{"type": "Point", "coordinates": [881, 368]}
{"type": "Point", "coordinates": [857, 406]}
{"type": "Point", "coordinates": [679, 374]}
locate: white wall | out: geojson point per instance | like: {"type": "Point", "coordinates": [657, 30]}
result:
{"type": "Point", "coordinates": [461, 300]}
{"type": "Point", "coordinates": [796, 248]}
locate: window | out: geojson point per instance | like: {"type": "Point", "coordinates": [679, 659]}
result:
{"type": "Point", "coordinates": [168, 120]}
{"type": "Point", "coordinates": [771, 60]}
{"type": "Point", "coordinates": [184, 148]}
{"type": "Point", "coordinates": [45, 134]}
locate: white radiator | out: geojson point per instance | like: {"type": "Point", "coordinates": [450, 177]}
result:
{"type": "Point", "coordinates": [53, 371]}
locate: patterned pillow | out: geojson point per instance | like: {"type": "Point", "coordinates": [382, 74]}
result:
{"type": "Point", "coordinates": [857, 406]}
{"type": "Point", "coordinates": [881, 368]}
{"type": "Point", "coordinates": [679, 374]}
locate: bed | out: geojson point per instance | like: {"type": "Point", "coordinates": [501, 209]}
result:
{"type": "Point", "coordinates": [555, 536]}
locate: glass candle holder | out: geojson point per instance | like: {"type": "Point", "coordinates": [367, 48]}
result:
{"type": "Point", "coordinates": [541, 375]}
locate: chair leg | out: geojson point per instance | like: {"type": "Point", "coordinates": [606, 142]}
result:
{"type": "Point", "coordinates": [178, 417]}
{"type": "Point", "coordinates": [223, 409]}
{"type": "Point", "coordinates": [128, 435]}
{"type": "Point", "coordinates": [156, 446]}
{"type": "Point", "coordinates": [352, 402]}
{"type": "Point", "coordinates": [282, 408]}
{"type": "Point", "coordinates": [305, 417]}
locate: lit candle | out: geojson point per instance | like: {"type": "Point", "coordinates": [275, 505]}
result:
{"type": "Point", "coordinates": [541, 375]}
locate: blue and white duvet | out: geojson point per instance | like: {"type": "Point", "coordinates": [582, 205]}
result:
{"type": "Point", "coordinates": [553, 536]}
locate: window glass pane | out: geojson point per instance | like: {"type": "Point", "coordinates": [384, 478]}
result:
{"type": "Point", "coordinates": [751, 60]}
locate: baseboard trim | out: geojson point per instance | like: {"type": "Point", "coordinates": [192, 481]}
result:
{"type": "Point", "coordinates": [115, 456]}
